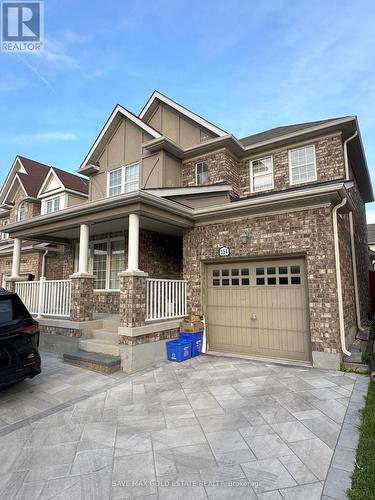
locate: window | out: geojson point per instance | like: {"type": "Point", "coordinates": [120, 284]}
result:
{"type": "Point", "coordinates": [116, 263]}
{"type": "Point", "coordinates": [22, 211]}
{"type": "Point", "coordinates": [115, 182]}
{"type": "Point", "coordinates": [261, 174]}
{"type": "Point", "coordinates": [99, 267]}
{"type": "Point", "coordinates": [123, 180]}
{"type": "Point", "coordinates": [131, 178]}
{"type": "Point", "coordinates": [302, 165]}
{"type": "Point", "coordinates": [107, 260]}
{"type": "Point", "coordinates": [52, 205]}
{"type": "Point", "coordinates": [201, 172]}
{"type": "Point", "coordinates": [230, 277]}
{"type": "Point", "coordinates": [5, 236]}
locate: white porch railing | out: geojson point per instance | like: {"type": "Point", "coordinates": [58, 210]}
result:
{"type": "Point", "coordinates": [46, 298]}
{"type": "Point", "coordinates": [165, 299]}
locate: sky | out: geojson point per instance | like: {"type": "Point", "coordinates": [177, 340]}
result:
{"type": "Point", "coordinates": [246, 66]}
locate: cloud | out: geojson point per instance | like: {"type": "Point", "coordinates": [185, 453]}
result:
{"type": "Point", "coordinates": [55, 52]}
{"type": "Point", "coordinates": [42, 137]}
{"type": "Point", "coordinates": [38, 74]}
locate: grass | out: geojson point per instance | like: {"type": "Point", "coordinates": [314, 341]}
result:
{"type": "Point", "coordinates": [363, 480]}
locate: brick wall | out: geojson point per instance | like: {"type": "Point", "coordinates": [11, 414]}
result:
{"type": "Point", "coordinates": [307, 232]}
{"type": "Point", "coordinates": [347, 277]}
{"type": "Point", "coordinates": [329, 165]}
{"type": "Point", "coordinates": [30, 263]}
{"type": "Point", "coordinates": [222, 167]}
{"type": "Point", "coordinates": [60, 266]}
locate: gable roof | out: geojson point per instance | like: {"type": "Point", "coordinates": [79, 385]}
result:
{"type": "Point", "coordinates": [371, 233]}
{"type": "Point", "coordinates": [158, 97]}
{"type": "Point", "coordinates": [277, 132]}
{"type": "Point", "coordinates": [72, 181]}
{"type": "Point", "coordinates": [34, 177]}
{"type": "Point", "coordinates": [108, 129]}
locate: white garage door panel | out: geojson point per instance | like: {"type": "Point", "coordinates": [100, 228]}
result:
{"type": "Point", "coordinates": [236, 291]}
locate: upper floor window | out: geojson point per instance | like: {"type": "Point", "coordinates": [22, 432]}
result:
{"type": "Point", "coordinates": [201, 169]}
{"type": "Point", "coordinates": [123, 180]}
{"type": "Point", "coordinates": [302, 165]}
{"type": "Point", "coordinates": [22, 211]}
{"type": "Point", "coordinates": [53, 205]}
{"type": "Point", "coordinates": [5, 236]}
{"type": "Point", "coordinates": [261, 176]}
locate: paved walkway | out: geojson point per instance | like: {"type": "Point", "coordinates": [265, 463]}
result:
{"type": "Point", "coordinates": [212, 427]}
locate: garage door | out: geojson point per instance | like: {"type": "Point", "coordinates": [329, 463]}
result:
{"type": "Point", "coordinates": [258, 308]}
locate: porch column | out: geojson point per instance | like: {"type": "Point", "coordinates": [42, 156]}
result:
{"type": "Point", "coordinates": [84, 236]}
{"type": "Point", "coordinates": [133, 282]}
{"type": "Point", "coordinates": [133, 242]}
{"type": "Point", "coordinates": [82, 305]}
{"type": "Point", "coordinates": [16, 262]}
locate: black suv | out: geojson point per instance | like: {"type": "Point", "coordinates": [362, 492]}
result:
{"type": "Point", "coordinates": [19, 340]}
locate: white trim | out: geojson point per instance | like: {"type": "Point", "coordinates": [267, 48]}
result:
{"type": "Point", "coordinates": [118, 109]}
{"type": "Point", "coordinates": [9, 176]}
{"type": "Point", "coordinates": [252, 175]}
{"type": "Point", "coordinates": [291, 183]}
{"type": "Point", "coordinates": [181, 109]}
{"type": "Point", "coordinates": [62, 203]}
{"type": "Point", "coordinates": [189, 190]}
{"type": "Point", "coordinates": [196, 173]}
{"type": "Point", "coordinates": [46, 179]}
{"type": "Point", "coordinates": [16, 178]}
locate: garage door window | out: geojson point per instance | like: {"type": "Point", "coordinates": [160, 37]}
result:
{"type": "Point", "coordinates": [283, 275]}
{"type": "Point", "coordinates": [231, 277]}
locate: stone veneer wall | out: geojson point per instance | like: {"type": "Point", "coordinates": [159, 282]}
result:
{"type": "Point", "coordinates": [306, 232]}
{"type": "Point", "coordinates": [57, 330]}
{"type": "Point", "coordinates": [329, 165]}
{"type": "Point", "coordinates": [222, 167]}
{"type": "Point", "coordinates": [132, 300]}
{"type": "Point", "coordinates": [107, 302]}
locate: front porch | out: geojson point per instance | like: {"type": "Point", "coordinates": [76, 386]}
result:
{"type": "Point", "coordinates": [126, 295]}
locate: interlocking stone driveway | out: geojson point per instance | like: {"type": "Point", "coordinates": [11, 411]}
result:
{"type": "Point", "coordinates": [211, 427]}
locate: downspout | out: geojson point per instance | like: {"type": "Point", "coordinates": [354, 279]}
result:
{"type": "Point", "coordinates": [44, 264]}
{"type": "Point", "coordinates": [338, 275]}
{"type": "Point", "coordinates": [352, 242]}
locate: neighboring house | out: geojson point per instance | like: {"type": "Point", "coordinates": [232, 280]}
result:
{"type": "Point", "coordinates": [30, 189]}
{"type": "Point", "coordinates": [264, 235]}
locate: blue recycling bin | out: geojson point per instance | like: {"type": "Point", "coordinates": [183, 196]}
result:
{"type": "Point", "coordinates": [196, 340]}
{"type": "Point", "coordinates": [178, 350]}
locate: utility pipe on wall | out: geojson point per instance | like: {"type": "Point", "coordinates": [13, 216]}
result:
{"type": "Point", "coordinates": [338, 275]}
{"type": "Point", "coordinates": [44, 264]}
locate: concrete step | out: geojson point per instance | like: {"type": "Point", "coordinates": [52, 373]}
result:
{"type": "Point", "coordinates": [92, 361]}
{"type": "Point", "coordinates": [105, 334]}
{"type": "Point", "coordinates": [111, 323]}
{"type": "Point", "coordinates": [355, 367]}
{"type": "Point", "coordinates": [99, 346]}
{"type": "Point", "coordinates": [356, 357]}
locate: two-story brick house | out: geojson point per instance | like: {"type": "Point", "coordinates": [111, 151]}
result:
{"type": "Point", "coordinates": [264, 235]}
{"type": "Point", "coordinates": [31, 189]}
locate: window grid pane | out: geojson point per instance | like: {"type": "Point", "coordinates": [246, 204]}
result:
{"type": "Point", "coordinates": [202, 172]}
{"type": "Point", "coordinates": [100, 265]}
{"type": "Point", "coordinates": [262, 174]}
{"type": "Point", "coordinates": [131, 177]}
{"type": "Point", "coordinates": [302, 164]}
{"type": "Point", "coordinates": [116, 263]}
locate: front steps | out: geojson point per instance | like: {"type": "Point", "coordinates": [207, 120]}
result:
{"type": "Point", "coordinates": [93, 361]}
{"type": "Point", "coordinates": [354, 362]}
{"type": "Point", "coordinates": [100, 351]}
